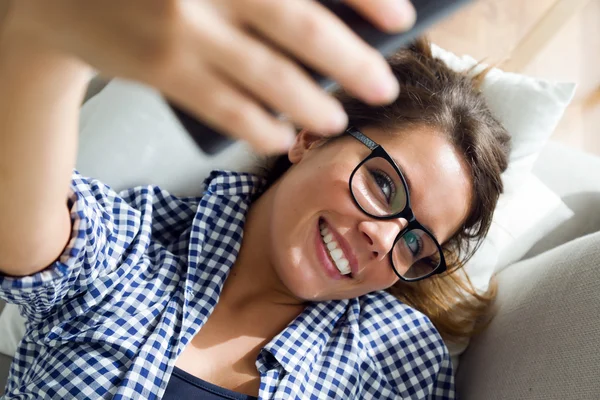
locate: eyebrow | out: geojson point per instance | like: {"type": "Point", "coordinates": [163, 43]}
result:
{"type": "Point", "coordinates": [407, 179]}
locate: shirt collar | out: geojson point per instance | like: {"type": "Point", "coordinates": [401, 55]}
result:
{"type": "Point", "coordinates": [216, 233]}
{"type": "Point", "coordinates": [229, 183]}
{"type": "Point", "coordinates": [305, 338]}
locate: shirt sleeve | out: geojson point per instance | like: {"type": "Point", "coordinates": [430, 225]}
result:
{"type": "Point", "coordinates": [106, 232]}
{"type": "Point", "coordinates": [443, 385]}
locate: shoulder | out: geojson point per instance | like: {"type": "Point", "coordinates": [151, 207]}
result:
{"type": "Point", "coordinates": [92, 191]}
{"type": "Point", "coordinates": [382, 314]}
{"type": "Point", "coordinates": [403, 343]}
{"type": "Point", "coordinates": [222, 182]}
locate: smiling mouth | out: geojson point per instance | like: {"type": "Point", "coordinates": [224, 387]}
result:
{"type": "Point", "coordinates": [334, 251]}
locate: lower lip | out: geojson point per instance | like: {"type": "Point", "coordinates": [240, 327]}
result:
{"type": "Point", "coordinates": [323, 255]}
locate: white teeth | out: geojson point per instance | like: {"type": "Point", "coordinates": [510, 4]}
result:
{"type": "Point", "coordinates": [336, 254]}
{"type": "Point", "coordinates": [342, 264]}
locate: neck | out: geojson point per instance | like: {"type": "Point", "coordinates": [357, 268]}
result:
{"type": "Point", "coordinates": [253, 282]}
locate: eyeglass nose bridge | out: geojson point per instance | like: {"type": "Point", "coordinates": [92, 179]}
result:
{"type": "Point", "coordinates": [407, 214]}
{"type": "Point", "coordinates": [410, 225]}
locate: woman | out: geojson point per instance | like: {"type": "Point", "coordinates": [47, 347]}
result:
{"type": "Point", "coordinates": [285, 287]}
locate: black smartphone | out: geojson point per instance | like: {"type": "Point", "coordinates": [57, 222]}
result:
{"type": "Point", "coordinates": [428, 13]}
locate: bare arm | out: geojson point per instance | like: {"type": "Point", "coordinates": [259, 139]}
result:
{"type": "Point", "coordinates": [40, 95]}
{"type": "Point", "coordinates": [197, 53]}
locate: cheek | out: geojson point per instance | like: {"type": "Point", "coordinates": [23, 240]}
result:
{"type": "Point", "coordinates": [308, 192]}
{"type": "Point", "coordinates": [300, 200]}
{"type": "Point", "coordinates": [291, 248]}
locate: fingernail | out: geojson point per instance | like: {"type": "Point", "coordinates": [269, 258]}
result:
{"type": "Point", "coordinates": [403, 15]}
{"type": "Point", "coordinates": [288, 139]}
{"type": "Point", "coordinates": [338, 121]}
{"type": "Point", "coordinates": [385, 89]}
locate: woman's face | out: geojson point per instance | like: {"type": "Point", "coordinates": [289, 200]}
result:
{"type": "Point", "coordinates": [314, 194]}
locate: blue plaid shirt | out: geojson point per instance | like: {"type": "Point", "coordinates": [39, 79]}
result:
{"type": "Point", "coordinates": [142, 273]}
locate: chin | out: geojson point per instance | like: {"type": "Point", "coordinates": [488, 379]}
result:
{"type": "Point", "coordinates": [308, 287]}
{"type": "Point", "coordinates": [301, 282]}
{"type": "Point", "coordinates": [299, 277]}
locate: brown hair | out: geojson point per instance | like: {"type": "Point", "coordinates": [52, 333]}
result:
{"type": "Point", "coordinates": [434, 95]}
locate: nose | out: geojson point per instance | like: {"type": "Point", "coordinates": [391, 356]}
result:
{"type": "Point", "coordinates": [380, 234]}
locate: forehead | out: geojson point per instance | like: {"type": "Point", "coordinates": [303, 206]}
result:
{"type": "Point", "coordinates": [439, 178]}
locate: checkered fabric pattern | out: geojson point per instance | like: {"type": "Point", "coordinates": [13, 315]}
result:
{"type": "Point", "coordinates": [142, 273]}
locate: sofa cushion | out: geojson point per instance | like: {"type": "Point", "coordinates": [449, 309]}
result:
{"type": "Point", "coordinates": [543, 342]}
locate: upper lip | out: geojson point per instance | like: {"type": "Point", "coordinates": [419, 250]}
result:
{"type": "Point", "coordinates": [348, 253]}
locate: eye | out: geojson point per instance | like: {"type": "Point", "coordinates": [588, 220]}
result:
{"type": "Point", "coordinates": [413, 242]}
{"type": "Point", "coordinates": [385, 184]}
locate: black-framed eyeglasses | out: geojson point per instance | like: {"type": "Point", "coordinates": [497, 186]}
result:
{"type": "Point", "coordinates": [380, 190]}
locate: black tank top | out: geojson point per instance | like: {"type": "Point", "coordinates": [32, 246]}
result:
{"type": "Point", "coordinates": [183, 386]}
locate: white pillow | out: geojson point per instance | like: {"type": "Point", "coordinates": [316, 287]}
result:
{"type": "Point", "coordinates": [524, 215]}
{"type": "Point", "coordinates": [129, 137]}
{"type": "Point", "coordinates": [528, 108]}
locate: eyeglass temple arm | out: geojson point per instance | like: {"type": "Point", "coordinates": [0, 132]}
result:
{"type": "Point", "coordinates": [358, 135]}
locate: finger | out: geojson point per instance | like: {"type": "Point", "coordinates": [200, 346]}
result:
{"type": "Point", "coordinates": [270, 76]}
{"type": "Point", "coordinates": [222, 106]}
{"type": "Point", "coordinates": [319, 39]}
{"type": "Point", "coordinates": [387, 15]}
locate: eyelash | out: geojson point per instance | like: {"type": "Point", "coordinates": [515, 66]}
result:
{"type": "Point", "coordinates": [419, 241]}
{"type": "Point", "coordinates": [388, 180]}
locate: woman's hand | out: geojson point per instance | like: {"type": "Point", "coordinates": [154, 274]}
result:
{"type": "Point", "coordinates": [222, 59]}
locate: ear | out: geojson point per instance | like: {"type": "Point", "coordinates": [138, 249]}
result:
{"type": "Point", "coordinates": [305, 141]}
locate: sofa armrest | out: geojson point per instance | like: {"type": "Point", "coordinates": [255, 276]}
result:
{"type": "Point", "coordinates": [544, 340]}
